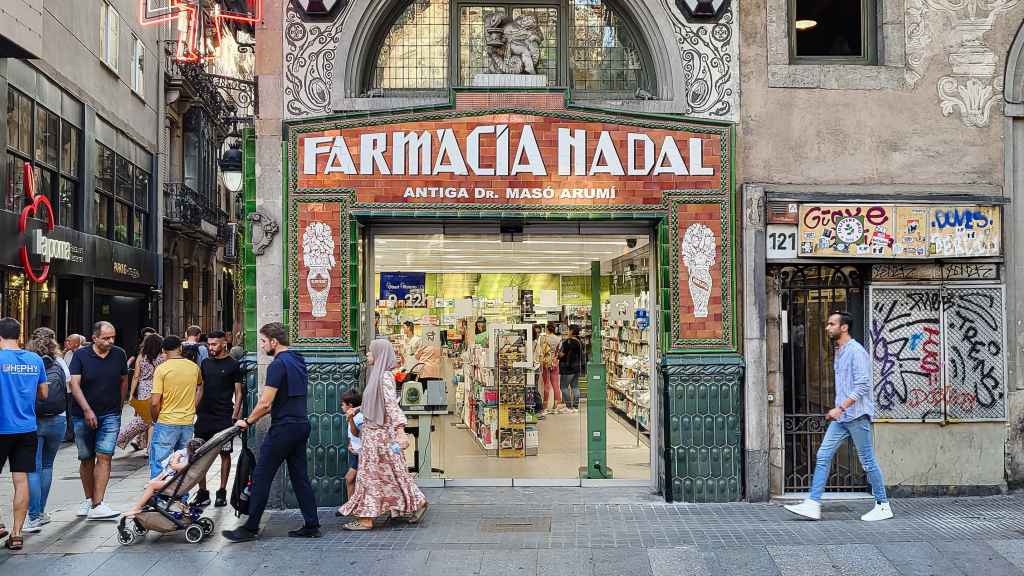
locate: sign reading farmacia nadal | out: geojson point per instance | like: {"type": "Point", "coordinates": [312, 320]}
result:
{"type": "Point", "coordinates": [510, 158]}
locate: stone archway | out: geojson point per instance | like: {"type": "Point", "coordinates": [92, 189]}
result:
{"type": "Point", "coordinates": [1013, 141]}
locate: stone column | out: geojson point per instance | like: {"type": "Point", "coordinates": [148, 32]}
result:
{"type": "Point", "coordinates": [755, 413]}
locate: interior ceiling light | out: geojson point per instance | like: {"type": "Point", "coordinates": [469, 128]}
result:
{"type": "Point", "coordinates": [802, 25]}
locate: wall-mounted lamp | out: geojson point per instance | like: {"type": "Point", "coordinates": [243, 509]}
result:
{"type": "Point", "coordinates": [184, 284]}
{"type": "Point", "coordinates": [231, 166]}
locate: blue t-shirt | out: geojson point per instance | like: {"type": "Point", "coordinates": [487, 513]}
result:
{"type": "Point", "coordinates": [21, 373]}
{"type": "Point", "coordinates": [288, 374]}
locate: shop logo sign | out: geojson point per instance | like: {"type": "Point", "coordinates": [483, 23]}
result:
{"type": "Point", "coordinates": [703, 9]}
{"type": "Point", "coordinates": [318, 7]}
{"type": "Point", "coordinates": [122, 269]}
{"type": "Point", "coordinates": [36, 202]}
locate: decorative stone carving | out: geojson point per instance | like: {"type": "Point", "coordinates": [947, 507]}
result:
{"type": "Point", "coordinates": [972, 88]}
{"type": "Point", "coordinates": [318, 258]}
{"type": "Point", "coordinates": [264, 228]}
{"type": "Point", "coordinates": [709, 59]}
{"type": "Point", "coordinates": [699, 252]}
{"type": "Point", "coordinates": [310, 50]}
{"type": "Point", "coordinates": [513, 45]}
{"type": "Point", "coordinates": [918, 34]}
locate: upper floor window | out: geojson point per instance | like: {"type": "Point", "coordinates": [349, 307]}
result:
{"type": "Point", "coordinates": [836, 31]}
{"type": "Point", "coordinates": [587, 45]}
{"type": "Point", "coordinates": [110, 29]}
{"type": "Point", "coordinates": [138, 66]}
{"type": "Point", "coordinates": [121, 199]}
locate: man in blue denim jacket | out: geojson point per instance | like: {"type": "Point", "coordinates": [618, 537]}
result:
{"type": "Point", "coordinates": [851, 418]}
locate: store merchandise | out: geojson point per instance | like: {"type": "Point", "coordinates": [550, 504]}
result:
{"type": "Point", "coordinates": [626, 352]}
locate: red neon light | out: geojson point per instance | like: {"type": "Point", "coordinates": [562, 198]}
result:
{"type": "Point", "coordinates": [28, 182]}
{"type": "Point", "coordinates": [191, 41]}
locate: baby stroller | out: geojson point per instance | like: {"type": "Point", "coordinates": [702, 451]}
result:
{"type": "Point", "coordinates": [166, 511]}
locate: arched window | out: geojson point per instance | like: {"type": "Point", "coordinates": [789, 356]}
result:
{"type": "Point", "coordinates": [589, 45]}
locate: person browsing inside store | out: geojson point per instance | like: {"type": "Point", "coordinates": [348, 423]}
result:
{"type": "Point", "coordinates": [570, 365]}
{"type": "Point", "coordinates": [220, 406]}
{"type": "Point", "coordinates": [383, 485]}
{"type": "Point", "coordinates": [284, 397]}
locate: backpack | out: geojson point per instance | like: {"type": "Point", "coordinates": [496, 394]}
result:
{"type": "Point", "coordinates": [242, 488]}
{"type": "Point", "coordinates": [56, 398]}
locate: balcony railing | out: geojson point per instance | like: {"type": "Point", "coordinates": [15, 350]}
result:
{"type": "Point", "coordinates": [191, 212]}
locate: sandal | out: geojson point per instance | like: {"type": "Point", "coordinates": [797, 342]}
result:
{"type": "Point", "coordinates": [14, 543]}
{"type": "Point", "coordinates": [338, 513]}
{"type": "Point", "coordinates": [418, 514]}
{"type": "Point", "coordinates": [357, 526]}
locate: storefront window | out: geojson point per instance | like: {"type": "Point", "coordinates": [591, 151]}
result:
{"type": "Point", "coordinates": [104, 169]}
{"type": "Point", "coordinates": [66, 207]}
{"type": "Point", "coordinates": [122, 215]}
{"type": "Point", "coordinates": [70, 141]}
{"type": "Point", "coordinates": [414, 55]}
{"type": "Point", "coordinates": [15, 190]}
{"type": "Point", "coordinates": [28, 302]}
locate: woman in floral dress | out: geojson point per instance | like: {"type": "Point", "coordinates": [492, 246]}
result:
{"type": "Point", "coordinates": [383, 484]}
{"type": "Point", "coordinates": [150, 356]}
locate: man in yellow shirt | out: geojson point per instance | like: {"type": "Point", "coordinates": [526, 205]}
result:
{"type": "Point", "coordinates": [177, 388]}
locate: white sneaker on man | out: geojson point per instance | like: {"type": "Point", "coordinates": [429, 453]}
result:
{"type": "Point", "coordinates": [32, 525]}
{"type": "Point", "coordinates": [879, 512]}
{"type": "Point", "coordinates": [85, 508]}
{"type": "Point", "coordinates": [103, 512]}
{"type": "Point", "coordinates": [807, 509]}
{"type": "Point", "coordinates": [45, 519]}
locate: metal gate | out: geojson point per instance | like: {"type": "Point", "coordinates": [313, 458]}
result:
{"type": "Point", "coordinates": [809, 295]}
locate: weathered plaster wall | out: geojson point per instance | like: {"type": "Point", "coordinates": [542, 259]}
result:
{"type": "Point", "coordinates": [891, 131]}
{"type": "Point", "coordinates": [930, 455]}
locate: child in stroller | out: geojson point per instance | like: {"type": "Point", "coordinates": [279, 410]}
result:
{"type": "Point", "coordinates": [162, 507]}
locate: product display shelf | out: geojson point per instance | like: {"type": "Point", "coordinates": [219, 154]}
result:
{"type": "Point", "coordinates": [512, 348]}
{"type": "Point", "coordinates": [625, 349]}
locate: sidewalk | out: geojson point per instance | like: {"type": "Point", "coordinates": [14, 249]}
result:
{"type": "Point", "coordinates": [543, 531]}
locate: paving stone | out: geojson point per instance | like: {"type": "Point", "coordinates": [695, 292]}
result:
{"type": "Point", "coordinates": [30, 565]}
{"type": "Point", "coordinates": [129, 561]}
{"type": "Point", "coordinates": [509, 563]}
{"type": "Point", "coordinates": [741, 561]}
{"type": "Point", "coordinates": [973, 557]}
{"type": "Point", "coordinates": [918, 559]}
{"type": "Point", "coordinates": [619, 561]}
{"type": "Point", "coordinates": [230, 563]}
{"type": "Point", "coordinates": [443, 562]}
{"type": "Point", "coordinates": [1012, 550]}
{"type": "Point", "coordinates": [565, 562]}
{"type": "Point", "coordinates": [859, 559]}
{"type": "Point", "coordinates": [802, 560]}
{"type": "Point", "coordinates": [182, 564]}
{"type": "Point", "coordinates": [682, 561]}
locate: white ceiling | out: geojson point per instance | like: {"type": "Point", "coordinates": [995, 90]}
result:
{"type": "Point", "coordinates": [569, 254]}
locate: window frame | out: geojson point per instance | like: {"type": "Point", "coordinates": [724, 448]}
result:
{"type": "Point", "coordinates": [110, 35]}
{"type": "Point", "coordinates": [116, 200]}
{"type": "Point", "coordinates": [138, 67]}
{"type": "Point", "coordinates": [868, 38]}
{"type": "Point", "coordinates": [648, 80]}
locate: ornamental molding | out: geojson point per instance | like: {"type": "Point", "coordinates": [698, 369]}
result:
{"type": "Point", "coordinates": [264, 228]}
{"type": "Point", "coordinates": [710, 58]}
{"type": "Point", "coordinates": [309, 62]}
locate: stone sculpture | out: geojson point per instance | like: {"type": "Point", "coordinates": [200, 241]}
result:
{"type": "Point", "coordinates": [264, 228]}
{"type": "Point", "coordinates": [513, 45]}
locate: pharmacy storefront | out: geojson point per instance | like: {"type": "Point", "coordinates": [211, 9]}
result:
{"type": "Point", "coordinates": [481, 239]}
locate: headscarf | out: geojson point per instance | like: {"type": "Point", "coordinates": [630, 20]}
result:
{"type": "Point", "coordinates": [384, 360]}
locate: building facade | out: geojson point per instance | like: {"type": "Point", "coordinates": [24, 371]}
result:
{"type": "Point", "coordinates": [877, 178]}
{"type": "Point", "coordinates": [86, 123]}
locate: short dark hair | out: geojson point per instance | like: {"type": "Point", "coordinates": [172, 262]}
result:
{"type": "Point", "coordinates": [352, 397]}
{"type": "Point", "coordinates": [98, 327]}
{"type": "Point", "coordinates": [409, 323]}
{"type": "Point", "coordinates": [171, 342]}
{"type": "Point", "coordinates": [551, 327]}
{"type": "Point", "coordinates": [147, 331]}
{"type": "Point", "coordinates": [193, 330]}
{"type": "Point", "coordinates": [845, 318]}
{"type": "Point", "coordinates": [574, 329]}
{"type": "Point", "coordinates": [216, 334]}
{"type": "Point", "coordinates": [152, 344]}
{"type": "Point", "coordinates": [277, 331]}
{"type": "Point", "coordinates": [10, 329]}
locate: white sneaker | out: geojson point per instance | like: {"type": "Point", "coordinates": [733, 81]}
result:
{"type": "Point", "coordinates": [879, 512]}
{"type": "Point", "coordinates": [807, 509]}
{"type": "Point", "coordinates": [45, 519]}
{"type": "Point", "coordinates": [85, 508]}
{"type": "Point", "coordinates": [32, 525]}
{"type": "Point", "coordinates": [103, 512]}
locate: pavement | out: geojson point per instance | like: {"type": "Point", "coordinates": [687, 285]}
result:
{"type": "Point", "coordinates": [540, 532]}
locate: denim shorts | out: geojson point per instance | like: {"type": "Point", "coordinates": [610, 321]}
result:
{"type": "Point", "coordinates": [353, 461]}
{"type": "Point", "coordinates": [102, 440]}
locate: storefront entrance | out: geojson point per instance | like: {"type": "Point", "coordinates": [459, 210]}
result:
{"type": "Point", "coordinates": [478, 313]}
{"type": "Point", "coordinates": [809, 295]}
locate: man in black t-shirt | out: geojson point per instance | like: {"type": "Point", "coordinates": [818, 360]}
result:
{"type": "Point", "coordinates": [219, 406]}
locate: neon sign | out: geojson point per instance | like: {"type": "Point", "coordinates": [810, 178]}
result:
{"type": "Point", "coordinates": [198, 29]}
{"type": "Point", "coordinates": [30, 210]}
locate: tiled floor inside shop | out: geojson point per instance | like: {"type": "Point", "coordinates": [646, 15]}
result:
{"type": "Point", "coordinates": [562, 450]}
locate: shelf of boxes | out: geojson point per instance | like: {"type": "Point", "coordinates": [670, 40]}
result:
{"type": "Point", "coordinates": [625, 350]}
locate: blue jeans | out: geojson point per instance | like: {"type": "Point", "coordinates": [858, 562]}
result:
{"type": "Point", "coordinates": [49, 432]}
{"type": "Point", "coordinates": [167, 438]}
{"type": "Point", "coordinates": [860, 431]}
{"type": "Point", "coordinates": [569, 382]}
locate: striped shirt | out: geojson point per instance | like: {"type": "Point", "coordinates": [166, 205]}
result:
{"type": "Point", "coordinates": [853, 381]}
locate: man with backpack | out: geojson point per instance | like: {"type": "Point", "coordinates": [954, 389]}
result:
{"type": "Point", "coordinates": [192, 349]}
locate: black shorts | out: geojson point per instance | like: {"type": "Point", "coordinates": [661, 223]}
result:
{"type": "Point", "coordinates": [19, 450]}
{"type": "Point", "coordinates": [206, 432]}
{"type": "Point", "coordinates": [353, 461]}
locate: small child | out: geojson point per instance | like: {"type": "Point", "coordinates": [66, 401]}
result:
{"type": "Point", "coordinates": [173, 464]}
{"type": "Point", "coordinates": [351, 401]}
